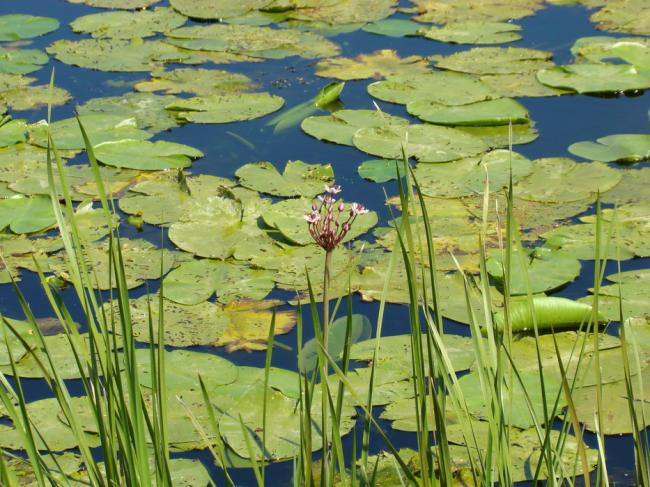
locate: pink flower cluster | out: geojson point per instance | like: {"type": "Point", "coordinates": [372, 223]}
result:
{"type": "Point", "coordinates": [325, 220]}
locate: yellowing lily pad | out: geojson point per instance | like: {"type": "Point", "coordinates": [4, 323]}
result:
{"type": "Point", "coordinates": [226, 108]}
{"type": "Point", "coordinates": [629, 16]}
{"type": "Point", "coordinates": [449, 11]}
{"type": "Point", "coordinates": [495, 60]}
{"type": "Point", "coordinates": [297, 179]}
{"type": "Point", "coordinates": [426, 143]}
{"type": "Point", "coordinates": [380, 64]}
{"type": "Point", "coordinates": [217, 9]}
{"type": "Point", "coordinates": [146, 155]}
{"type": "Point", "coordinates": [127, 25]}
{"type": "Point", "coordinates": [198, 81]}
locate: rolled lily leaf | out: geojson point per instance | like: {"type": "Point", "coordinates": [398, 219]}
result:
{"type": "Point", "coordinates": [550, 313]}
{"type": "Point", "coordinates": [293, 116]}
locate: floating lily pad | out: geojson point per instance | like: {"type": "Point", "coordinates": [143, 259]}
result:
{"type": "Point", "coordinates": [21, 61]}
{"type": "Point", "coordinates": [21, 95]}
{"type": "Point", "coordinates": [597, 49]}
{"type": "Point", "coordinates": [595, 78]}
{"type": "Point", "coordinates": [393, 27]}
{"type": "Point", "coordinates": [297, 179]}
{"type": "Point", "coordinates": [217, 9]}
{"type": "Point", "coordinates": [124, 4]}
{"type": "Point", "coordinates": [26, 215]}
{"type": "Point", "coordinates": [344, 11]}
{"type": "Point", "coordinates": [500, 136]}
{"type": "Point", "coordinates": [379, 170]}
{"type": "Point", "coordinates": [264, 42]}
{"type": "Point", "coordinates": [127, 25]}
{"type": "Point", "coordinates": [541, 270]}
{"type": "Point", "coordinates": [196, 281]}
{"type": "Point", "coordinates": [130, 55]}
{"type": "Point", "coordinates": [288, 218]}
{"type": "Point", "coordinates": [494, 112]}
{"type": "Point", "coordinates": [467, 176]}
{"type": "Point", "coordinates": [341, 126]}
{"type": "Point", "coordinates": [441, 87]}
{"type": "Point", "coordinates": [147, 109]}
{"type": "Point", "coordinates": [12, 347]}
{"type": "Point", "coordinates": [629, 16]}
{"type": "Point", "coordinates": [20, 26]}
{"type": "Point", "coordinates": [520, 85]}
{"type": "Point", "coordinates": [380, 64]}
{"type": "Point", "coordinates": [495, 60]}
{"type": "Point", "coordinates": [633, 187]}
{"type": "Point", "coordinates": [226, 108]}
{"type": "Point", "coordinates": [633, 287]}
{"type": "Point", "coordinates": [198, 81]}
{"type": "Point", "coordinates": [559, 179]}
{"type": "Point", "coordinates": [624, 148]}
{"type": "Point", "coordinates": [473, 32]}
{"type": "Point", "coordinates": [13, 132]}
{"type": "Point", "coordinates": [99, 128]}
{"type": "Point", "coordinates": [426, 143]}
{"type": "Point", "coordinates": [449, 11]}
{"type": "Point", "coordinates": [146, 155]}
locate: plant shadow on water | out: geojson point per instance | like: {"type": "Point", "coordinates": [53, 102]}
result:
{"type": "Point", "coordinates": [190, 128]}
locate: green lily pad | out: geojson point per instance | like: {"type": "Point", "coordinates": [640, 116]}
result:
{"type": "Point", "coordinates": [474, 32]}
{"type": "Point", "coordinates": [516, 408]}
{"type": "Point", "coordinates": [580, 241]}
{"type": "Point", "coordinates": [597, 49]}
{"type": "Point", "coordinates": [344, 11]}
{"type": "Point", "coordinates": [226, 108]}
{"type": "Point", "coordinates": [297, 179]}
{"type": "Point", "coordinates": [99, 128]}
{"type": "Point", "coordinates": [629, 16]}
{"type": "Point", "coordinates": [56, 435]}
{"type": "Point", "coordinates": [288, 218]}
{"type": "Point", "coordinates": [183, 367]}
{"type": "Point", "coordinates": [495, 60]}
{"type": "Point", "coordinates": [20, 26]}
{"type": "Point", "coordinates": [559, 179]}
{"type": "Point", "coordinates": [633, 187]}
{"type": "Point", "coordinates": [379, 170]}
{"type": "Point", "coordinates": [520, 85]}
{"type": "Point", "coordinates": [442, 87]}
{"type": "Point", "coordinates": [123, 4]}
{"type": "Point", "coordinates": [467, 176]}
{"type": "Point", "coordinates": [493, 112]}
{"type": "Point", "coordinates": [264, 42]}
{"type": "Point", "coordinates": [340, 126]}
{"type": "Point", "coordinates": [217, 10]}
{"type": "Point", "coordinates": [379, 64]}
{"type": "Point", "coordinates": [11, 347]}
{"type": "Point", "coordinates": [498, 136]}
{"type": "Point", "coordinates": [148, 110]}
{"type": "Point", "coordinates": [450, 11]}
{"type": "Point", "coordinates": [129, 55]}
{"type": "Point", "coordinates": [426, 143]}
{"type": "Point", "coordinates": [26, 215]}
{"type": "Point", "coordinates": [13, 132]}
{"type": "Point", "coordinates": [127, 25]}
{"type": "Point", "coordinates": [393, 27]}
{"type": "Point", "coordinates": [595, 78]}
{"type": "Point", "coordinates": [198, 81]}
{"type": "Point", "coordinates": [196, 281]}
{"type": "Point", "coordinates": [635, 297]}
{"type": "Point", "coordinates": [624, 148]}
{"type": "Point", "coordinates": [61, 468]}
{"type": "Point", "coordinates": [146, 155]}
{"type": "Point", "coordinates": [21, 61]}
{"type": "Point", "coordinates": [541, 270]}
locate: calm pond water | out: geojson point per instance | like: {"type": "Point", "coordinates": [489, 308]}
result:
{"type": "Point", "coordinates": [561, 121]}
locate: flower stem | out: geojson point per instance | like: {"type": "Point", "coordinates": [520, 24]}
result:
{"type": "Point", "coordinates": [326, 301]}
{"type": "Point", "coordinates": [324, 368]}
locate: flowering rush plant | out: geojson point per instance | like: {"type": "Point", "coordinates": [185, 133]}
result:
{"type": "Point", "coordinates": [328, 222]}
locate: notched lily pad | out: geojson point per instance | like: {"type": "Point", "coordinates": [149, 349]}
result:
{"type": "Point", "coordinates": [473, 32]}
{"type": "Point", "coordinates": [595, 78]}
{"type": "Point", "coordinates": [198, 81]}
{"type": "Point", "coordinates": [146, 155]}
{"type": "Point", "coordinates": [380, 64]}
{"type": "Point", "coordinates": [495, 60]}
{"type": "Point", "coordinates": [623, 148]}
{"type": "Point", "coordinates": [297, 179]}
{"type": "Point", "coordinates": [127, 25]}
{"type": "Point", "coordinates": [226, 108]}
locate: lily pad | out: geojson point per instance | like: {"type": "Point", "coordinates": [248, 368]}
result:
{"type": "Point", "coordinates": [449, 11]}
{"type": "Point", "coordinates": [560, 179]}
{"type": "Point", "coordinates": [217, 9]}
{"type": "Point", "coordinates": [297, 179]}
{"type": "Point", "coordinates": [467, 176]}
{"type": "Point", "coordinates": [442, 87]}
{"type": "Point", "coordinates": [520, 85]}
{"type": "Point", "coordinates": [595, 78]}
{"type": "Point", "coordinates": [340, 126]}
{"type": "Point", "coordinates": [379, 64]}
{"type": "Point", "coordinates": [499, 136]}
{"type": "Point", "coordinates": [379, 170]}
{"type": "Point", "coordinates": [11, 347]}
{"type": "Point", "coordinates": [393, 27]}
{"type": "Point", "coordinates": [629, 16]}
{"type": "Point", "coordinates": [226, 108]}
{"type": "Point", "coordinates": [24, 96]}
{"type": "Point", "coordinates": [146, 155]}
{"type": "Point", "coordinates": [21, 61]}
{"type": "Point", "coordinates": [99, 128]}
{"type": "Point", "coordinates": [494, 112]}
{"type": "Point", "coordinates": [147, 109]}
{"type": "Point", "coordinates": [127, 25]}
{"type": "Point", "coordinates": [426, 143]}
{"type": "Point", "coordinates": [474, 32]}
{"type": "Point", "coordinates": [26, 215]}
{"type": "Point", "coordinates": [196, 281]}
{"type": "Point", "coordinates": [13, 132]}
{"type": "Point", "coordinates": [124, 4]}
{"type": "Point", "coordinates": [198, 81]}
{"type": "Point", "coordinates": [635, 298]}
{"type": "Point", "coordinates": [495, 60]}
{"type": "Point", "coordinates": [20, 26]}
{"type": "Point", "coordinates": [623, 148]}
{"type": "Point", "coordinates": [288, 218]}
{"type": "Point", "coordinates": [597, 49]}
{"type": "Point", "coordinates": [263, 42]}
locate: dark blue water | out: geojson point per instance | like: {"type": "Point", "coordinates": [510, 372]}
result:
{"type": "Point", "coordinates": [560, 121]}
